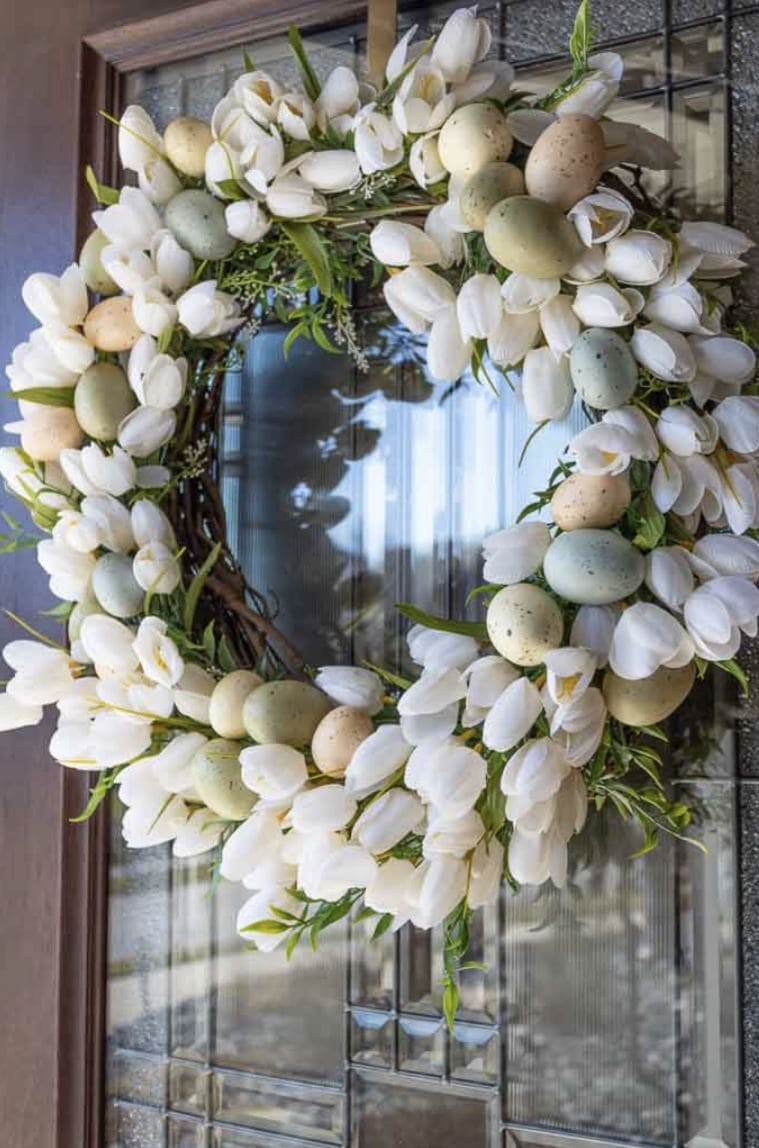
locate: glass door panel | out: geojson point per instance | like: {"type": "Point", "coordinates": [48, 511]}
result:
{"type": "Point", "coordinates": [607, 1012]}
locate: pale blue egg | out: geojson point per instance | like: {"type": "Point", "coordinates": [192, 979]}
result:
{"type": "Point", "coordinates": [593, 567]}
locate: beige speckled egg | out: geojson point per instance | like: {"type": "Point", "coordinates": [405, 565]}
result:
{"type": "Point", "coordinates": [196, 220]}
{"type": "Point", "coordinates": [110, 325]}
{"type": "Point", "coordinates": [524, 623]}
{"type": "Point", "coordinates": [486, 188]}
{"type": "Point", "coordinates": [217, 777]}
{"type": "Point", "coordinates": [473, 136]}
{"type": "Point", "coordinates": [284, 711]}
{"type": "Point", "coordinates": [95, 275]}
{"type": "Point", "coordinates": [593, 567]}
{"type": "Point", "coordinates": [102, 399]}
{"type": "Point", "coordinates": [648, 700]}
{"type": "Point", "coordinates": [532, 237]}
{"type": "Point", "coordinates": [586, 500]}
{"type": "Point", "coordinates": [187, 139]}
{"type": "Point", "coordinates": [338, 736]}
{"type": "Point", "coordinates": [48, 430]}
{"type": "Point", "coordinates": [567, 161]}
{"type": "Point", "coordinates": [115, 586]}
{"type": "Point", "coordinates": [227, 700]}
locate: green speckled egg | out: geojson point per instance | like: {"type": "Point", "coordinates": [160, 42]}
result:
{"type": "Point", "coordinates": [187, 139]}
{"type": "Point", "coordinates": [472, 136]}
{"type": "Point", "coordinates": [603, 369]}
{"type": "Point", "coordinates": [102, 399]}
{"type": "Point", "coordinates": [95, 275]}
{"type": "Point", "coordinates": [486, 188]}
{"type": "Point", "coordinates": [532, 237]}
{"type": "Point", "coordinates": [593, 567]}
{"type": "Point", "coordinates": [196, 219]}
{"type": "Point", "coordinates": [649, 700]}
{"type": "Point", "coordinates": [217, 777]}
{"type": "Point", "coordinates": [227, 699]}
{"type": "Point", "coordinates": [286, 712]}
{"type": "Point", "coordinates": [115, 586]}
{"type": "Point", "coordinates": [524, 623]}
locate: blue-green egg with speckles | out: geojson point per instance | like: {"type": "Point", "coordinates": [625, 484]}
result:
{"type": "Point", "coordinates": [603, 369]}
{"type": "Point", "coordinates": [593, 567]}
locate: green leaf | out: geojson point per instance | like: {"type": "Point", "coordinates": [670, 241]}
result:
{"type": "Point", "coordinates": [227, 660]}
{"type": "Point", "coordinates": [309, 243]}
{"type": "Point", "coordinates": [383, 925]}
{"type": "Point", "coordinates": [209, 641]}
{"type": "Point", "coordinates": [450, 1003]}
{"type": "Point", "coordinates": [433, 622]}
{"type": "Point", "coordinates": [308, 75]}
{"type": "Point", "coordinates": [296, 330]}
{"type": "Point", "coordinates": [650, 523]}
{"type": "Point", "coordinates": [196, 587]}
{"type": "Point", "coordinates": [730, 666]}
{"type": "Point", "coordinates": [581, 40]}
{"type": "Point", "coordinates": [47, 396]}
{"type": "Point", "coordinates": [389, 92]}
{"type": "Point", "coordinates": [103, 194]}
{"type": "Point", "coordinates": [98, 794]}
{"type": "Point", "coordinates": [266, 926]}
{"type": "Point", "coordinates": [321, 339]}
{"type": "Point", "coordinates": [231, 188]}
{"type": "Point", "coordinates": [388, 676]}
{"type": "Point", "coordinates": [247, 62]}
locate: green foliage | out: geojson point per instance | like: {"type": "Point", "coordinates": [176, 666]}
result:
{"type": "Point", "coordinates": [456, 937]}
{"type": "Point", "coordinates": [47, 396]}
{"type": "Point", "coordinates": [581, 39]}
{"type": "Point", "coordinates": [196, 587]}
{"type": "Point", "coordinates": [308, 75]}
{"type": "Point", "coordinates": [103, 194]}
{"type": "Point", "coordinates": [99, 792]}
{"type": "Point", "coordinates": [476, 630]}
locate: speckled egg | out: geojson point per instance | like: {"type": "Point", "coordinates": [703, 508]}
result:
{"type": "Point", "coordinates": [473, 136]}
{"type": "Point", "coordinates": [593, 567]}
{"type": "Point", "coordinates": [187, 139]}
{"type": "Point", "coordinates": [603, 369]}
{"type": "Point", "coordinates": [649, 700]}
{"type": "Point", "coordinates": [90, 264]}
{"type": "Point", "coordinates": [287, 712]}
{"type": "Point", "coordinates": [227, 700]}
{"type": "Point", "coordinates": [110, 325]}
{"type": "Point", "coordinates": [486, 188]}
{"type": "Point", "coordinates": [532, 237]}
{"type": "Point", "coordinates": [567, 161]}
{"type": "Point", "coordinates": [115, 586]}
{"type": "Point", "coordinates": [48, 430]}
{"type": "Point", "coordinates": [524, 623]}
{"type": "Point", "coordinates": [102, 399]}
{"type": "Point", "coordinates": [587, 500]}
{"type": "Point", "coordinates": [338, 736]}
{"type": "Point", "coordinates": [217, 778]}
{"type": "Point", "coordinates": [196, 220]}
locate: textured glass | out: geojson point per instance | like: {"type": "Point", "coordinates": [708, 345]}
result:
{"type": "Point", "coordinates": [606, 1013]}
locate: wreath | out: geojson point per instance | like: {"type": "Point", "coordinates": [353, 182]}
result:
{"type": "Point", "coordinates": [516, 237]}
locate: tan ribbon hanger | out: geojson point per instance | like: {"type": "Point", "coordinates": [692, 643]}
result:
{"type": "Point", "coordinates": [382, 19]}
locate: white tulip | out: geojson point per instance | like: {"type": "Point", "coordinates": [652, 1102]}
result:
{"type": "Point", "coordinates": [291, 197]}
{"type": "Point", "coordinates": [18, 474]}
{"type": "Point", "coordinates": [246, 220]}
{"type": "Point", "coordinates": [70, 571]}
{"type": "Point", "coordinates": [424, 161]}
{"type": "Point", "coordinates": [152, 477]}
{"type": "Point", "coordinates": [727, 554]}
{"type": "Point", "coordinates": [667, 354]}
{"type": "Point", "coordinates": [434, 726]}
{"type": "Point", "coordinates": [638, 257]}
{"type": "Point", "coordinates": [521, 293]}
{"type": "Point", "coordinates": [479, 307]}
{"type": "Point", "coordinates": [35, 363]}
{"type": "Point", "coordinates": [200, 832]}
{"type": "Point", "coordinates": [332, 171]}
{"type": "Point", "coordinates": [258, 93]}
{"type": "Point", "coordinates": [559, 324]}
{"type": "Point", "coordinates": [259, 908]}
{"type": "Point", "coordinates": [54, 299]}
{"type": "Point", "coordinates": [206, 312]}
{"type": "Point", "coordinates": [723, 358]}
{"type": "Point", "coordinates": [156, 568]}
{"type": "Point", "coordinates": [435, 690]}
{"type": "Point", "coordinates": [535, 771]}
{"type": "Point", "coordinates": [158, 654]}
{"type": "Point", "coordinates": [515, 335]}
{"type": "Point", "coordinates": [593, 628]}
{"type": "Point", "coordinates": [601, 216]}
{"type": "Point", "coordinates": [422, 103]}
{"type": "Point", "coordinates": [447, 775]}
{"type": "Point", "coordinates": [295, 115]}
{"type": "Point", "coordinates": [17, 715]}
{"type": "Point", "coordinates": [534, 858]}
{"type": "Point", "coordinates": [78, 532]}
{"type": "Point", "coordinates": [387, 891]}
{"type": "Point", "coordinates": [153, 311]}
{"type": "Point", "coordinates": [590, 266]}
{"type": "Point", "coordinates": [633, 144]}
{"type": "Point", "coordinates": [69, 347]}
{"type": "Point", "coordinates": [352, 686]}
{"type": "Point", "coordinates": [151, 818]}
{"type": "Point", "coordinates": [516, 553]}
{"type": "Point", "coordinates": [158, 180]}
{"type": "Point", "coordinates": [192, 696]}
{"type": "Point", "coordinates": [275, 772]}
{"type": "Point", "coordinates": [597, 89]}
{"type": "Point", "coordinates": [111, 521]}
{"type": "Point", "coordinates": [222, 163]}
{"type": "Point", "coordinates": [130, 224]}
{"type": "Point", "coordinates": [398, 58]}
{"type": "Point", "coordinates": [377, 141]}
{"type": "Point", "coordinates": [490, 79]}
{"type": "Point", "coordinates": [158, 380]}
{"type": "Point", "coordinates": [139, 140]}
{"type": "Point", "coordinates": [254, 839]}
{"type": "Point", "coordinates": [150, 524]}
{"type": "Point", "coordinates": [130, 270]}
{"type": "Point", "coordinates": [321, 810]}
{"type": "Point", "coordinates": [487, 678]}
{"type": "Point", "coordinates": [440, 650]}
{"type": "Point", "coordinates": [448, 352]}
{"type": "Point", "coordinates": [646, 637]}
{"type": "Point", "coordinates": [387, 820]}
{"type": "Point", "coordinates": [173, 765]}
{"type": "Point", "coordinates": [513, 715]}
{"type": "Point", "coordinates": [174, 265]}
{"type": "Point", "coordinates": [116, 739]}
{"type": "Point", "coordinates": [716, 613]}
{"type": "Point", "coordinates": [601, 305]}
{"type": "Point", "coordinates": [439, 885]}
{"type": "Point", "coordinates": [738, 420]}
{"type": "Point", "coordinates": [579, 727]}
{"type": "Point", "coordinates": [378, 757]}
{"type": "Point", "coordinates": [528, 124]}
{"type": "Point", "coordinates": [450, 243]}
{"type": "Point", "coordinates": [453, 837]}
{"type": "Point", "coordinates": [485, 873]}
{"type": "Point", "coordinates": [397, 244]}
{"type": "Point", "coordinates": [669, 576]}
{"type": "Point", "coordinates": [109, 644]}
{"type": "Point", "coordinates": [680, 308]}
{"type": "Point", "coordinates": [463, 40]}
{"type": "Point", "coordinates": [547, 389]}
{"type": "Point", "coordinates": [739, 498]}
{"type": "Point", "coordinates": [684, 432]}
{"type": "Point", "coordinates": [417, 296]}
{"type": "Point", "coordinates": [715, 239]}
{"type": "Point", "coordinates": [606, 447]}
{"type": "Point", "coordinates": [570, 671]}
{"type": "Point", "coordinates": [145, 430]}
{"type": "Point", "coordinates": [338, 103]}
{"type": "Point", "coordinates": [41, 674]}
